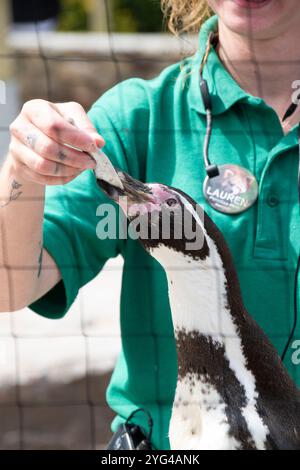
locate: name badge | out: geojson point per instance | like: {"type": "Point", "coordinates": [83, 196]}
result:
{"type": "Point", "coordinates": [233, 191]}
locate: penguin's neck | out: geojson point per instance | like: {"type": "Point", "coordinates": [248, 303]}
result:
{"type": "Point", "coordinates": [206, 313]}
{"type": "Point", "coordinates": [198, 293]}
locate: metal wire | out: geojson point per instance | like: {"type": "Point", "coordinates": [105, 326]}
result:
{"type": "Point", "coordinates": [19, 403]}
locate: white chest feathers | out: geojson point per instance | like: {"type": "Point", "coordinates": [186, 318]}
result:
{"type": "Point", "coordinates": [198, 419]}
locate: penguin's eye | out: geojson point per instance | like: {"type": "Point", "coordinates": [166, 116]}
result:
{"type": "Point", "coordinates": [171, 202]}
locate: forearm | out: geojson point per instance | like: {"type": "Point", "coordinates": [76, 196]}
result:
{"type": "Point", "coordinates": [21, 242]}
{"type": "Point", "coordinates": [46, 148]}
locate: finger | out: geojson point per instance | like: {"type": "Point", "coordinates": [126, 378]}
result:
{"type": "Point", "coordinates": [42, 179]}
{"type": "Point", "coordinates": [50, 122]}
{"type": "Point", "coordinates": [38, 164]}
{"type": "Point", "coordinates": [48, 148]}
{"type": "Point", "coordinates": [75, 114]}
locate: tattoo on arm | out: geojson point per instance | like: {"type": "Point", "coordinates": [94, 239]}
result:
{"type": "Point", "coordinates": [15, 193]}
{"type": "Point", "coordinates": [40, 261]}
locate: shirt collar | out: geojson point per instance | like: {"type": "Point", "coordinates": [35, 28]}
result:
{"type": "Point", "coordinates": [224, 90]}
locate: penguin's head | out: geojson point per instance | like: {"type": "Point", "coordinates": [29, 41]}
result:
{"type": "Point", "coordinates": [166, 221]}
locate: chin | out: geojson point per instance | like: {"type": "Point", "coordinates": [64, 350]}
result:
{"type": "Point", "coordinates": [262, 20]}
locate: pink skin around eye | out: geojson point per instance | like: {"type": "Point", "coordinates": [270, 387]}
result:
{"type": "Point", "coordinates": [159, 195]}
{"type": "Point", "coordinates": [160, 192]}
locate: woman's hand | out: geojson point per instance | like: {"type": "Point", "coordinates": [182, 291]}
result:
{"type": "Point", "coordinates": [39, 155]}
{"type": "Point", "coordinates": [38, 152]}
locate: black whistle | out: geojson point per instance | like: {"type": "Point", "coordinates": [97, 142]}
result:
{"type": "Point", "coordinates": [205, 94]}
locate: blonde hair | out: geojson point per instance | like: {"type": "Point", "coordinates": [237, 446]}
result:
{"type": "Point", "coordinates": [185, 16]}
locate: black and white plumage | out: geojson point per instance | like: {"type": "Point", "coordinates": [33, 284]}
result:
{"type": "Point", "coordinates": [233, 391]}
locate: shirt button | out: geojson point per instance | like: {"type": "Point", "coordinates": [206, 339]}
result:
{"type": "Point", "coordinates": [273, 201]}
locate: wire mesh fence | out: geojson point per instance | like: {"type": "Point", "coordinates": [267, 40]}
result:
{"type": "Point", "coordinates": [52, 390]}
{"type": "Point", "coordinates": [54, 377]}
{"type": "Point", "coordinates": [57, 399]}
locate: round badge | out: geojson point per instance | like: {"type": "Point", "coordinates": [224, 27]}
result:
{"type": "Point", "coordinates": [234, 190]}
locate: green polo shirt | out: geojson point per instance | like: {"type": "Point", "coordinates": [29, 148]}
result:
{"type": "Point", "coordinates": [154, 130]}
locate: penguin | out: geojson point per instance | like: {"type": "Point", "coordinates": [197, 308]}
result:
{"type": "Point", "coordinates": [233, 391]}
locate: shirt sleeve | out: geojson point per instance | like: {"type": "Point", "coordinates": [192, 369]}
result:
{"type": "Point", "coordinates": [70, 220]}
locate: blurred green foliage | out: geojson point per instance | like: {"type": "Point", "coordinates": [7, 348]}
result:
{"type": "Point", "coordinates": [128, 15]}
{"type": "Point", "coordinates": [73, 15]}
{"type": "Point", "coordinates": [137, 15]}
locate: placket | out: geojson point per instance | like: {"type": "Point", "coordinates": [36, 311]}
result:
{"type": "Point", "coordinates": [277, 195]}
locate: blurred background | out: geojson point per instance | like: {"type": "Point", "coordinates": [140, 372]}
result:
{"type": "Point", "coordinates": [53, 373]}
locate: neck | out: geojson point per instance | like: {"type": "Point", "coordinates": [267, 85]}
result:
{"type": "Point", "coordinates": [198, 297]}
{"type": "Point", "coordinates": [209, 347]}
{"type": "Point", "coordinates": [265, 68]}
{"type": "Point", "coordinates": [199, 293]}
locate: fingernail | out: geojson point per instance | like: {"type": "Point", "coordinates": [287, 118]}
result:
{"type": "Point", "coordinates": [99, 141]}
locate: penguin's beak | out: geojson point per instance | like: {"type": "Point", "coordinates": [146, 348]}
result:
{"type": "Point", "coordinates": [117, 184]}
{"type": "Point", "coordinates": [135, 191]}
